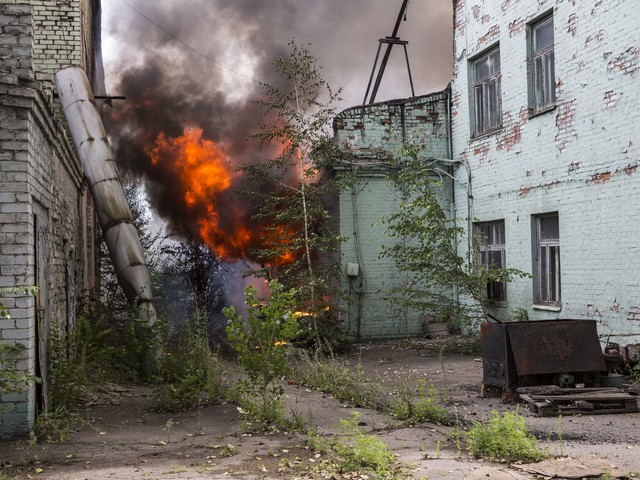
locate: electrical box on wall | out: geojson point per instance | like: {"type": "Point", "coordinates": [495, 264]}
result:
{"type": "Point", "coordinates": [353, 269]}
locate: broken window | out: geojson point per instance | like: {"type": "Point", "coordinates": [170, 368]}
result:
{"type": "Point", "coordinates": [491, 253]}
{"type": "Point", "coordinates": [546, 259]}
{"type": "Point", "coordinates": [543, 78]}
{"type": "Point", "coordinates": [486, 92]}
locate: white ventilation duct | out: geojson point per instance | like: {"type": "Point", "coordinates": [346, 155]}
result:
{"type": "Point", "coordinates": [106, 189]}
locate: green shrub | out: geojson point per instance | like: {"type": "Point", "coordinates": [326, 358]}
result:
{"type": "Point", "coordinates": [362, 450]}
{"type": "Point", "coordinates": [190, 373]}
{"type": "Point", "coordinates": [504, 437]}
{"type": "Point", "coordinates": [355, 454]}
{"type": "Point", "coordinates": [94, 352]}
{"type": "Point", "coordinates": [262, 343]}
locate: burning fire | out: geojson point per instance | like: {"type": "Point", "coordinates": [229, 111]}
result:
{"type": "Point", "coordinates": [205, 175]}
{"type": "Point", "coordinates": [202, 169]}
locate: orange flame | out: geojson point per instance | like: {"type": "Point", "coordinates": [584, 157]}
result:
{"type": "Point", "coordinates": [204, 173]}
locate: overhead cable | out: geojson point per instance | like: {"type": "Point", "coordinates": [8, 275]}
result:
{"type": "Point", "coordinates": [203, 55]}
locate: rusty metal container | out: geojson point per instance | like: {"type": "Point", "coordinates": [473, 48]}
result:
{"type": "Point", "coordinates": [546, 352]}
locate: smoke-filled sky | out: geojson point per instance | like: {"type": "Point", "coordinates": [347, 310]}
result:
{"type": "Point", "coordinates": [246, 35]}
{"type": "Point", "coordinates": [196, 64]}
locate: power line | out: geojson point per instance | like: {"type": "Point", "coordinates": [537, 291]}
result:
{"type": "Point", "coordinates": [203, 55]}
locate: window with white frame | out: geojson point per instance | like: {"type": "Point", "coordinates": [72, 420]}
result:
{"type": "Point", "coordinates": [546, 259]}
{"type": "Point", "coordinates": [491, 253]}
{"type": "Point", "coordinates": [542, 61]}
{"type": "Point", "coordinates": [486, 92]}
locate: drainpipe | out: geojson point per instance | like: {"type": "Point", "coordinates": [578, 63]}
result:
{"type": "Point", "coordinates": [111, 205]}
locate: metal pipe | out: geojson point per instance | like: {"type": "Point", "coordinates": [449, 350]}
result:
{"type": "Point", "coordinates": [106, 188]}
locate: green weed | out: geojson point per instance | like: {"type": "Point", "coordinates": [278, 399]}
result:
{"type": "Point", "coordinates": [349, 384]}
{"type": "Point", "coordinates": [227, 450]}
{"type": "Point", "coordinates": [364, 451]}
{"type": "Point", "coordinates": [504, 437]}
{"type": "Point", "coordinates": [56, 425]}
{"type": "Point", "coordinates": [90, 355]}
{"type": "Point", "coordinates": [360, 453]}
{"type": "Point", "coordinates": [425, 409]}
{"type": "Point", "coordinates": [560, 436]}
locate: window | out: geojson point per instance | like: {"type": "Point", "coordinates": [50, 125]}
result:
{"type": "Point", "coordinates": [543, 77]}
{"type": "Point", "coordinates": [546, 259]}
{"type": "Point", "coordinates": [490, 238]}
{"type": "Point", "coordinates": [486, 92]}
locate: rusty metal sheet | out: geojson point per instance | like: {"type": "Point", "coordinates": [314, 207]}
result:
{"type": "Point", "coordinates": [556, 346]}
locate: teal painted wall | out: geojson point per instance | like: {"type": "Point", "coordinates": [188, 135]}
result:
{"type": "Point", "coordinates": [370, 137]}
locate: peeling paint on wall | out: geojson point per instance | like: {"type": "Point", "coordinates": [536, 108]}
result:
{"type": "Point", "coordinates": [481, 151]}
{"type": "Point", "coordinates": [627, 62]}
{"type": "Point", "coordinates": [459, 20]}
{"type": "Point", "coordinates": [507, 3]}
{"type": "Point", "coordinates": [590, 38]}
{"type": "Point", "coordinates": [600, 178]}
{"type": "Point", "coordinates": [571, 24]}
{"type": "Point", "coordinates": [490, 36]}
{"type": "Point", "coordinates": [475, 10]}
{"type": "Point", "coordinates": [564, 122]}
{"type": "Point", "coordinates": [518, 26]}
{"type": "Point", "coordinates": [633, 314]}
{"type": "Point", "coordinates": [610, 98]}
{"type": "Point", "coordinates": [455, 104]}
{"type": "Point", "coordinates": [630, 170]}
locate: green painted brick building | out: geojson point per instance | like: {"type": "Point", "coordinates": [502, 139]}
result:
{"type": "Point", "coordinates": [370, 138]}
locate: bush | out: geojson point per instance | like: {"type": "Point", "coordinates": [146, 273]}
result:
{"type": "Point", "coordinates": [366, 451]}
{"type": "Point", "coordinates": [190, 373]}
{"type": "Point", "coordinates": [93, 353]}
{"type": "Point", "coordinates": [504, 437]}
{"type": "Point", "coordinates": [262, 343]}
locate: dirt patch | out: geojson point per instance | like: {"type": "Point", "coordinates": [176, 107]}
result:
{"type": "Point", "coordinates": [126, 440]}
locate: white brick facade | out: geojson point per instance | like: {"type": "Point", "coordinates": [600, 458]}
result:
{"type": "Point", "coordinates": [46, 220]}
{"type": "Point", "coordinates": [579, 159]}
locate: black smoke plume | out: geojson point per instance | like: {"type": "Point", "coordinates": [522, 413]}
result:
{"type": "Point", "coordinates": [198, 64]}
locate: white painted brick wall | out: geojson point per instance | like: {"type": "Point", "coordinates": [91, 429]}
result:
{"type": "Point", "coordinates": [579, 159]}
{"type": "Point", "coordinates": [38, 167]}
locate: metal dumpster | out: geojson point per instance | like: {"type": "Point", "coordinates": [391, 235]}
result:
{"type": "Point", "coordinates": [547, 352]}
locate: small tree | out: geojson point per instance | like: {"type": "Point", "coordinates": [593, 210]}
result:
{"type": "Point", "coordinates": [299, 245]}
{"type": "Point", "coordinates": [262, 344]}
{"type": "Point", "coordinates": [426, 246]}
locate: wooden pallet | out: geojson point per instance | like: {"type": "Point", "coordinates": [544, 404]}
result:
{"type": "Point", "coordinates": [592, 401]}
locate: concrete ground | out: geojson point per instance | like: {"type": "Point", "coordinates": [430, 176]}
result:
{"type": "Point", "coordinates": [125, 440]}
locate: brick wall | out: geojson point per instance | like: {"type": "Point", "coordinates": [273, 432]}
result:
{"type": "Point", "coordinates": [63, 32]}
{"type": "Point", "coordinates": [579, 159]}
{"type": "Point", "coordinates": [43, 199]}
{"type": "Point", "coordinates": [371, 137]}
